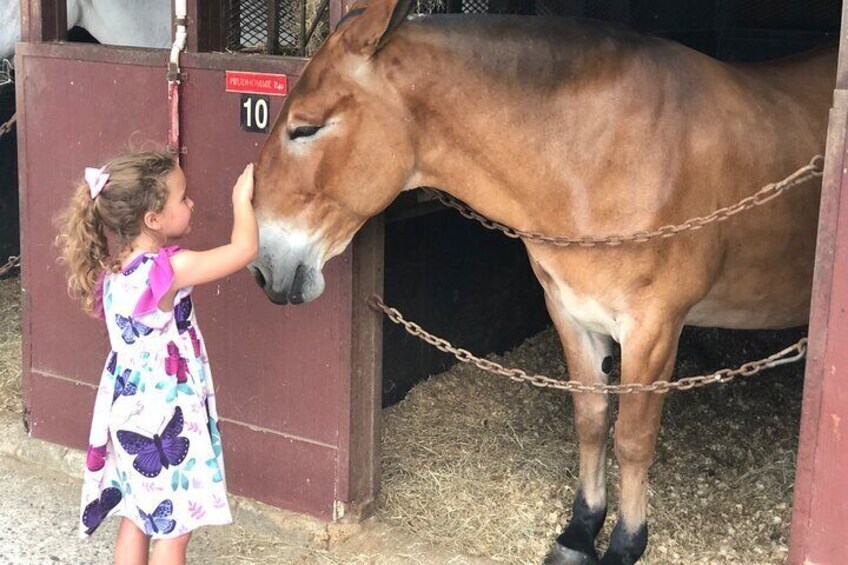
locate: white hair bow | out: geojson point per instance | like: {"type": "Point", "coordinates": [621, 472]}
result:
{"type": "Point", "coordinates": [96, 180]}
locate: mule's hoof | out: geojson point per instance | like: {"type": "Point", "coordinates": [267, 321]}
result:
{"type": "Point", "coordinates": [561, 555]}
{"type": "Point", "coordinates": [626, 547]}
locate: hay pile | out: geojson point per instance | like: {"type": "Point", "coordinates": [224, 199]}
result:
{"type": "Point", "coordinates": [489, 466]}
{"type": "Point", "coordinates": [10, 344]}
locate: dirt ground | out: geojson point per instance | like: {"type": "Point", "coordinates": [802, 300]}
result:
{"type": "Point", "coordinates": [486, 467]}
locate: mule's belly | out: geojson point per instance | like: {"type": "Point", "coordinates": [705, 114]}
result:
{"type": "Point", "coordinates": [750, 289]}
{"type": "Point", "coordinates": [723, 308]}
{"type": "Point", "coordinates": [760, 290]}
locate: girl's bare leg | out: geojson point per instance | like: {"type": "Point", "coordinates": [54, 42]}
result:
{"type": "Point", "coordinates": [131, 545]}
{"type": "Point", "coordinates": [170, 551]}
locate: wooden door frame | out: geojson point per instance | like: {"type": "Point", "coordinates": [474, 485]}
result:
{"type": "Point", "coordinates": [820, 523]}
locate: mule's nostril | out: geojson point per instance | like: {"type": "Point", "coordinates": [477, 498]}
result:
{"type": "Point", "coordinates": [297, 284]}
{"type": "Point", "coordinates": [260, 278]}
{"type": "Point", "coordinates": [299, 277]}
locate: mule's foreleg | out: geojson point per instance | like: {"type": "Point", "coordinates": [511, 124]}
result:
{"type": "Point", "coordinates": [648, 353]}
{"type": "Point", "coordinates": [589, 357]}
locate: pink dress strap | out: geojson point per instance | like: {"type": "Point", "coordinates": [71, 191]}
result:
{"type": "Point", "coordinates": [161, 276]}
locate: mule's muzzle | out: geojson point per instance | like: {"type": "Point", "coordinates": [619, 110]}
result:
{"type": "Point", "coordinates": [258, 276]}
{"type": "Point", "coordinates": [305, 286]}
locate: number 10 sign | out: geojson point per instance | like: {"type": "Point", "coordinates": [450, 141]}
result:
{"type": "Point", "coordinates": [255, 112]}
{"type": "Point", "coordinates": [256, 90]}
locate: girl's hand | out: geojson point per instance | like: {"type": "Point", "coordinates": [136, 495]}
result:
{"type": "Point", "coordinates": [243, 189]}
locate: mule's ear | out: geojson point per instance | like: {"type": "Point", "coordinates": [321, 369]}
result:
{"type": "Point", "coordinates": [399, 12]}
{"type": "Point", "coordinates": [372, 23]}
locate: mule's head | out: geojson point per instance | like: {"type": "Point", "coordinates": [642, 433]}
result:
{"type": "Point", "coordinates": [340, 152]}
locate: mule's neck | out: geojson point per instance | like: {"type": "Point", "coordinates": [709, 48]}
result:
{"type": "Point", "coordinates": [500, 110]}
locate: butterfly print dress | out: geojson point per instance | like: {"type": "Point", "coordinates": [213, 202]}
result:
{"type": "Point", "coordinates": [154, 452]}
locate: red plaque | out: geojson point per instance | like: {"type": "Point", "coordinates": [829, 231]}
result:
{"type": "Point", "coordinates": [257, 83]}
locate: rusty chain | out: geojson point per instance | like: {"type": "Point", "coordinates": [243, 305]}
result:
{"type": "Point", "coordinates": [14, 262]}
{"type": "Point", "coordinates": [769, 192]}
{"type": "Point", "coordinates": [8, 125]}
{"type": "Point", "coordinates": [791, 354]}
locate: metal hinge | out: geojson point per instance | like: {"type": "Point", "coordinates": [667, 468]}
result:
{"type": "Point", "coordinates": [175, 75]}
{"type": "Point", "coordinates": [339, 509]}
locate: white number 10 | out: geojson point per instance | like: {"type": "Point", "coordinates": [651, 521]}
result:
{"type": "Point", "coordinates": [256, 113]}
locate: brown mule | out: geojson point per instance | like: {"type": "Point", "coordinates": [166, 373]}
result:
{"type": "Point", "coordinates": [565, 127]}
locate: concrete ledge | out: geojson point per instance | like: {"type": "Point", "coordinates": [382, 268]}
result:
{"type": "Point", "coordinates": [297, 529]}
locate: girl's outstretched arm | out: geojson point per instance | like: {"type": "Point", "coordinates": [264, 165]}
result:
{"type": "Point", "coordinates": [197, 267]}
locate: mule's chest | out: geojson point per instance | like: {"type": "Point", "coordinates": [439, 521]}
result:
{"type": "Point", "coordinates": [582, 303]}
{"type": "Point", "coordinates": [587, 310]}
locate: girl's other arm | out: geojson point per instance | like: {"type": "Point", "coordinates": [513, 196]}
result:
{"type": "Point", "coordinates": [197, 267]}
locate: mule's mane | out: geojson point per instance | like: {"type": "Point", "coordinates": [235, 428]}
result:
{"type": "Point", "coordinates": [567, 30]}
{"type": "Point", "coordinates": [552, 50]}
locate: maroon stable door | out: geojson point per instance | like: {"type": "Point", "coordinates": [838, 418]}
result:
{"type": "Point", "coordinates": [282, 373]}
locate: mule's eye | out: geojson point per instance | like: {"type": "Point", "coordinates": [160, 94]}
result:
{"type": "Point", "coordinates": [303, 131]}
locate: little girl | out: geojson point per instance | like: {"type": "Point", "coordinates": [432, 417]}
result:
{"type": "Point", "coordinates": [154, 454]}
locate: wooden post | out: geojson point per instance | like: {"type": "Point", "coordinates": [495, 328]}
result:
{"type": "Point", "coordinates": [206, 26]}
{"type": "Point", "coordinates": [366, 380]}
{"type": "Point", "coordinates": [272, 45]}
{"type": "Point", "coordinates": [44, 20]}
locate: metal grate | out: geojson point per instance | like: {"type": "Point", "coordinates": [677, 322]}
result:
{"type": "Point", "coordinates": [295, 27]}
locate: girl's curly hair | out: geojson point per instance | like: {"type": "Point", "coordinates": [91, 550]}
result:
{"type": "Point", "coordinates": [136, 186]}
